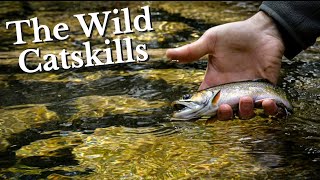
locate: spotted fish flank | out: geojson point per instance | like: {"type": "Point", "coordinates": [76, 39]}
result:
{"type": "Point", "coordinates": [206, 102]}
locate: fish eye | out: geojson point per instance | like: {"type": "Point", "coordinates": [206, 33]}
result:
{"type": "Point", "coordinates": [186, 96]}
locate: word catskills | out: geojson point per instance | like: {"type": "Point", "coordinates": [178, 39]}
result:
{"type": "Point", "coordinates": [98, 21]}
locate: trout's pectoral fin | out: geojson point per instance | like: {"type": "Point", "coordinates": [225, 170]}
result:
{"type": "Point", "coordinates": [216, 98]}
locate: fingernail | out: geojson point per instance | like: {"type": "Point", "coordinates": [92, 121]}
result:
{"type": "Point", "coordinates": [270, 107]}
{"type": "Point", "coordinates": [225, 113]}
{"type": "Point", "coordinates": [246, 107]}
{"type": "Point", "coordinates": [246, 104]}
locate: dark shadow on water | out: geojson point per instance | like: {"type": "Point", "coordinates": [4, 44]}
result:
{"type": "Point", "coordinates": [45, 174]}
{"type": "Point", "coordinates": [64, 157]}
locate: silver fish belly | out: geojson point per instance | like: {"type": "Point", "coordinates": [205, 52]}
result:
{"type": "Point", "coordinates": [206, 102]}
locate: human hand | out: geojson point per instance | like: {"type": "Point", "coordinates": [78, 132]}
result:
{"type": "Point", "coordinates": [244, 50]}
{"type": "Point", "coordinates": [246, 109]}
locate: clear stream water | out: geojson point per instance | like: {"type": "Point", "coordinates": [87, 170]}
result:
{"type": "Point", "coordinates": [113, 122]}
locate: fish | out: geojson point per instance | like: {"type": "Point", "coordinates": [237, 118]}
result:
{"type": "Point", "coordinates": [205, 103]}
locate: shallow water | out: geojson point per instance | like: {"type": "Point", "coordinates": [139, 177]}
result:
{"type": "Point", "coordinates": [113, 122]}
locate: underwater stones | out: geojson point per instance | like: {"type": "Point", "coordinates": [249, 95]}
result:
{"type": "Point", "coordinates": [4, 144]}
{"type": "Point", "coordinates": [164, 32]}
{"type": "Point", "coordinates": [99, 106]}
{"type": "Point", "coordinates": [209, 12]}
{"type": "Point", "coordinates": [16, 119]}
{"type": "Point", "coordinates": [119, 152]}
{"type": "Point", "coordinates": [48, 77]}
{"type": "Point", "coordinates": [49, 147]}
{"type": "Point", "coordinates": [8, 9]}
{"type": "Point", "coordinates": [183, 77]}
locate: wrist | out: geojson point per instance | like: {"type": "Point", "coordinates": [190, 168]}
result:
{"type": "Point", "coordinates": [265, 24]}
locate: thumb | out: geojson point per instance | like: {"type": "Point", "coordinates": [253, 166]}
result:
{"type": "Point", "coordinates": [191, 52]}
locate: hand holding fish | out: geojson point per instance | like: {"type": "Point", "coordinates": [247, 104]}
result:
{"type": "Point", "coordinates": [244, 50]}
{"type": "Point", "coordinates": [206, 103]}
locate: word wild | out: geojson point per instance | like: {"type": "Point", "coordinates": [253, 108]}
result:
{"type": "Point", "coordinates": [90, 56]}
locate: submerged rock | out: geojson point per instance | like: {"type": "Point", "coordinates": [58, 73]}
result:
{"type": "Point", "coordinates": [183, 77]}
{"type": "Point", "coordinates": [119, 152]}
{"type": "Point", "coordinates": [99, 106]}
{"type": "Point", "coordinates": [211, 12]}
{"type": "Point", "coordinates": [16, 119]}
{"type": "Point", "coordinates": [50, 147]}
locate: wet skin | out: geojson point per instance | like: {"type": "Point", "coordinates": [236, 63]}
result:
{"type": "Point", "coordinates": [246, 109]}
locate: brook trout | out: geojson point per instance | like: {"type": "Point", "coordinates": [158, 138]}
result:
{"type": "Point", "coordinates": [206, 102]}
